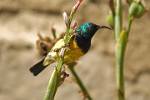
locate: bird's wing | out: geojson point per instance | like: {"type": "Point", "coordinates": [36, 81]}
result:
{"type": "Point", "coordinates": [52, 55]}
{"type": "Point", "coordinates": [61, 43]}
{"type": "Point", "coordinates": [58, 45]}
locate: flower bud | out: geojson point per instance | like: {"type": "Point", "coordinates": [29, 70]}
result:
{"type": "Point", "coordinates": [136, 9]}
{"type": "Point", "coordinates": [110, 19]}
{"type": "Point", "coordinates": [74, 25]}
{"type": "Point", "coordinates": [65, 16]}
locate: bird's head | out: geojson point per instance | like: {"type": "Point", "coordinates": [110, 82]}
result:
{"type": "Point", "coordinates": [88, 29]}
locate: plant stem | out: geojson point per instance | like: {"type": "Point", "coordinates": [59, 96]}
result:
{"type": "Point", "coordinates": [118, 19]}
{"type": "Point", "coordinates": [49, 95]}
{"type": "Point", "coordinates": [120, 50]}
{"type": "Point", "coordinates": [130, 20]}
{"type": "Point", "coordinates": [80, 84]}
{"type": "Point", "coordinates": [55, 78]}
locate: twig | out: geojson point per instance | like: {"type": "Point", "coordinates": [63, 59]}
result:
{"type": "Point", "coordinates": [79, 82]}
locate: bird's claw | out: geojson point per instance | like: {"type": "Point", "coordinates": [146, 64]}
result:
{"type": "Point", "coordinates": [56, 49]}
{"type": "Point", "coordinates": [66, 46]}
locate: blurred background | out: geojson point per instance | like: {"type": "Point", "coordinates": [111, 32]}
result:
{"type": "Point", "coordinates": [20, 20]}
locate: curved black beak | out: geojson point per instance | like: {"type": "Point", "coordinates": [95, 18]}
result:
{"type": "Point", "coordinates": [106, 27]}
{"type": "Point", "coordinates": [100, 27]}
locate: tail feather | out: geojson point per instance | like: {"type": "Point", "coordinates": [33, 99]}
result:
{"type": "Point", "coordinates": [38, 67]}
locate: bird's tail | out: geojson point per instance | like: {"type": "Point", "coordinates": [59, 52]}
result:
{"type": "Point", "coordinates": [38, 67]}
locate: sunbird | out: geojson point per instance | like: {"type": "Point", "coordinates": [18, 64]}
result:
{"type": "Point", "coordinates": [79, 45]}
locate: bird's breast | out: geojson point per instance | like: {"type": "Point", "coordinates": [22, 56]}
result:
{"type": "Point", "coordinates": [74, 53]}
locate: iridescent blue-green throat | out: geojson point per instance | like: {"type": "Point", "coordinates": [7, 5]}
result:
{"type": "Point", "coordinates": [85, 32]}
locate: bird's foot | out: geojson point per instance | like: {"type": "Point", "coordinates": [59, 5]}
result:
{"type": "Point", "coordinates": [58, 49]}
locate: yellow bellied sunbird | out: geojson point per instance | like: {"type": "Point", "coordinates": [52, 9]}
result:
{"type": "Point", "coordinates": [78, 46]}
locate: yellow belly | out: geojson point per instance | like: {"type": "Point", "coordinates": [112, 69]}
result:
{"type": "Point", "coordinates": [71, 55]}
